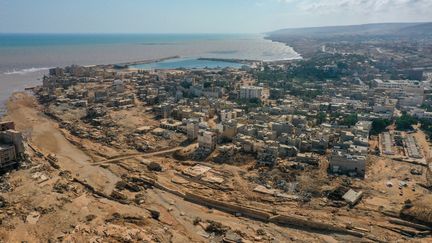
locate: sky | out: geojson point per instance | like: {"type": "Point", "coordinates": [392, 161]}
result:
{"type": "Point", "coordinates": [200, 16]}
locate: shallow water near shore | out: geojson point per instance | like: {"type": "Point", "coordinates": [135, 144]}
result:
{"type": "Point", "coordinates": [188, 63]}
{"type": "Point", "coordinates": [25, 58]}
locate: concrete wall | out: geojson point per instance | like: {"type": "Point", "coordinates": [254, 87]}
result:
{"type": "Point", "coordinates": [305, 223]}
{"type": "Point", "coordinates": [348, 165]}
{"type": "Point", "coordinates": [226, 207]}
{"type": "Point", "coordinates": [255, 213]}
{"type": "Point", "coordinates": [7, 154]}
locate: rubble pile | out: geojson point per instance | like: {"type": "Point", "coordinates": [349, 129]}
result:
{"type": "Point", "coordinates": [311, 184]}
{"type": "Point", "coordinates": [420, 212]}
{"type": "Point", "coordinates": [336, 194]}
{"type": "Point", "coordinates": [273, 168]}
{"type": "Point", "coordinates": [276, 178]}
{"type": "Point", "coordinates": [122, 185]}
{"type": "Point", "coordinates": [5, 186]}
{"type": "Point", "coordinates": [153, 166]}
{"type": "Point", "coordinates": [121, 219]}
{"type": "Point", "coordinates": [216, 227]}
{"type": "Point", "coordinates": [62, 186]}
{"type": "Point", "coordinates": [222, 233]}
{"type": "Point", "coordinates": [237, 158]}
{"type": "Point", "coordinates": [3, 202]}
{"type": "Point", "coordinates": [111, 232]}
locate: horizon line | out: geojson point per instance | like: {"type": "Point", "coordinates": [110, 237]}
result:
{"type": "Point", "coordinates": [132, 33]}
{"type": "Point", "coordinates": [209, 33]}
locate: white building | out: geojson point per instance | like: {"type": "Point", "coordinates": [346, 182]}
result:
{"type": "Point", "coordinates": [118, 86]}
{"type": "Point", "coordinates": [342, 162]}
{"type": "Point", "coordinates": [412, 100]}
{"type": "Point", "coordinates": [409, 92]}
{"type": "Point", "coordinates": [251, 92]}
{"type": "Point", "coordinates": [408, 85]}
{"type": "Point", "coordinates": [420, 113]}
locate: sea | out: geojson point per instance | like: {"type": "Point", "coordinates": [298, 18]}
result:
{"type": "Point", "coordinates": [25, 58]}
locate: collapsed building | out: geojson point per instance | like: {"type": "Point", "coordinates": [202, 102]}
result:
{"type": "Point", "coordinates": [11, 146]}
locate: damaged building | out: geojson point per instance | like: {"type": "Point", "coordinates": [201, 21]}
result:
{"type": "Point", "coordinates": [11, 146]}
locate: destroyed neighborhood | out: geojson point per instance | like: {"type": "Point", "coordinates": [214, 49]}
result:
{"type": "Point", "coordinates": [115, 154]}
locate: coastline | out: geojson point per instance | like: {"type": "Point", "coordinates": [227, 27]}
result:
{"type": "Point", "coordinates": [127, 64]}
{"type": "Point", "coordinates": [96, 162]}
{"type": "Point", "coordinates": [234, 60]}
{"type": "Point", "coordinates": [305, 47]}
{"type": "Point", "coordinates": [25, 76]}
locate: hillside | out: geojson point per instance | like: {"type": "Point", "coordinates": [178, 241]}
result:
{"type": "Point", "coordinates": [307, 41]}
{"type": "Point", "coordinates": [380, 29]}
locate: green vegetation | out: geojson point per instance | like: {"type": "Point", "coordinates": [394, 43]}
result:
{"type": "Point", "coordinates": [271, 75]}
{"type": "Point", "coordinates": [427, 107]}
{"type": "Point", "coordinates": [405, 122]}
{"type": "Point", "coordinates": [185, 84]}
{"type": "Point", "coordinates": [379, 126]}
{"type": "Point", "coordinates": [426, 126]}
{"type": "Point", "coordinates": [207, 84]}
{"type": "Point", "coordinates": [300, 113]}
{"type": "Point", "coordinates": [321, 117]}
{"type": "Point", "coordinates": [319, 68]}
{"type": "Point", "coordinates": [350, 120]}
{"type": "Point", "coordinates": [250, 104]}
{"type": "Point", "coordinates": [306, 94]}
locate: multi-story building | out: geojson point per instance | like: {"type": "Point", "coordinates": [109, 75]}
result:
{"type": "Point", "coordinates": [11, 146]}
{"type": "Point", "coordinates": [192, 129]}
{"type": "Point", "coordinates": [207, 140]}
{"type": "Point", "coordinates": [251, 92]}
{"type": "Point", "coordinates": [226, 115]}
{"type": "Point", "coordinates": [343, 162]}
{"type": "Point", "coordinates": [228, 129]}
{"type": "Point", "coordinates": [351, 154]}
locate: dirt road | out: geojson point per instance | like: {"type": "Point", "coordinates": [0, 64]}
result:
{"type": "Point", "coordinates": [139, 155]}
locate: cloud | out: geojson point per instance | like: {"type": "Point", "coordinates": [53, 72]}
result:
{"type": "Point", "coordinates": [299, 13]}
{"type": "Point", "coordinates": [326, 6]}
{"type": "Point", "coordinates": [364, 6]}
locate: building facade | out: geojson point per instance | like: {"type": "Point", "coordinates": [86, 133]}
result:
{"type": "Point", "coordinates": [251, 92]}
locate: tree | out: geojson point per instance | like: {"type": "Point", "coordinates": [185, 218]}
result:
{"type": "Point", "coordinates": [321, 117]}
{"type": "Point", "coordinates": [185, 84]}
{"type": "Point", "coordinates": [427, 107]}
{"type": "Point", "coordinates": [379, 126]}
{"type": "Point", "coordinates": [426, 126]}
{"type": "Point", "coordinates": [405, 122]}
{"type": "Point", "coordinates": [255, 101]}
{"type": "Point", "coordinates": [249, 104]}
{"type": "Point", "coordinates": [350, 120]}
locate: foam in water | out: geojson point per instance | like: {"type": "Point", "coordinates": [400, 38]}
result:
{"type": "Point", "coordinates": [25, 58]}
{"type": "Point", "coordinates": [27, 70]}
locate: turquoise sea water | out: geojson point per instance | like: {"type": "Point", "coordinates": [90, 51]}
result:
{"type": "Point", "coordinates": [40, 40]}
{"type": "Point", "coordinates": [25, 58]}
{"type": "Point", "coordinates": [187, 63]}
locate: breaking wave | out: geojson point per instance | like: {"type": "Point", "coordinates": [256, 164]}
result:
{"type": "Point", "coordinates": [27, 70]}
